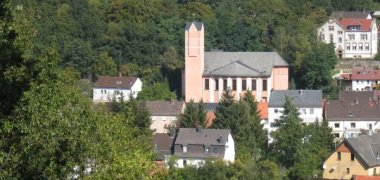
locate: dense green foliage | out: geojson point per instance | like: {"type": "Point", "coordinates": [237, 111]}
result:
{"type": "Point", "coordinates": [145, 39]}
{"type": "Point", "coordinates": [194, 115]}
{"type": "Point", "coordinates": [243, 118]}
{"type": "Point", "coordinates": [50, 130]}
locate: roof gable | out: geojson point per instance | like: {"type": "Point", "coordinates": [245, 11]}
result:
{"type": "Point", "coordinates": [164, 108]}
{"type": "Point", "coordinates": [115, 82]}
{"type": "Point", "coordinates": [198, 25]}
{"type": "Point", "coordinates": [366, 147]}
{"type": "Point", "coordinates": [300, 98]}
{"type": "Point", "coordinates": [252, 64]}
{"type": "Point", "coordinates": [188, 136]}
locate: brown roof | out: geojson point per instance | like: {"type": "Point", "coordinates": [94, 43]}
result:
{"type": "Point", "coordinates": [162, 143]}
{"type": "Point", "coordinates": [365, 24]}
{"type": "Point", "coordinates": [164, 108]}
{"type": "Point", "coordinates": [365, 74]}
{"type": "Point", "coordinates": [354, 106]}
{"type": "Point", "coordinates": [115, 82]}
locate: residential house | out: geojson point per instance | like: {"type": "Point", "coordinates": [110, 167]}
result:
{"type": "Point", "coordinates": [354, 34]}
{"type": "Point", "coordinates": [308, 102]}
{"type": "Point", "coordinates": [193, 146]}
{"type": "Point", "coordinates": [106, 88]}
{"type": "Point", "coordinates": [353, 112]}
{"type": "Point", "coordinates": [208, 74]}
{"type": "Point", "coordinates": [164, 114]}
{"type": "Point", "coordinates": [354, 157]}
{"type": "Point", "coordinates": [362, 79]}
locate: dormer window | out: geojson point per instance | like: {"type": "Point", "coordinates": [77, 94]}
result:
{"type": "Point", "coordinates": [378, 155]}
{"type": "Point", "coordinates": [184, 148]}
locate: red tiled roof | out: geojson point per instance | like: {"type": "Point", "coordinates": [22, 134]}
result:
{"type": "Point", "coordinates": [365, 24]}
{"type": "Point", "coordinates": [263, 108]}
{"type": "Point", "coordinates": [365, 74]}
{"type": "Point", "coordinates": [346, 76]}
{"type": "Point", "coordinates": [356, 177]}
{"type": "Point", "coordinates": [115, 82]}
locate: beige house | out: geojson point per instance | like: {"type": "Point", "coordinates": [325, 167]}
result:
{"type": "Point", "coordinates": [354, 156]}
{"type": "Point", "coordinates": [163, 114]}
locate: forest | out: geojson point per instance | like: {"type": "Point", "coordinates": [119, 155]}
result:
{"type": "Point", "coordinates": [49, 128]}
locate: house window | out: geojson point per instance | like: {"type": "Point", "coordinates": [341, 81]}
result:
{"type": "Point", "coordinates": [366, 46]}
{"type": "Point", "coordinates": [340, 40]}
{"type": "Point", "coordinates": [331, 38]}
{"type": "Point", "coordinates": [234, 84]}
{"type": "Point", "coordinates": [348, 47]}
{"type": "Point", "coordinates": [354, 46]}
{"type": "Point", "coordinates": [265, 85]}
{"type": "Point", "coordinates": [322, 37]}
{"type": "Point", "coordinates": [339, 156]}
{"type": "Point", "coordinates": [360, 46]}
{"type": "Point", "coordinates": [336, 135]}
{"type": "Point", "coordinates": [353, 125]}
{"type": "Point", "coordinates": [244, 84]}
{"type": "Point", "coordinates": [370, 126]}
{"type": "Point", "coordinates": [224, 84]}
{"type": "Point", "coordinates": [184, 162]}
{"type": "Point", "coordinates": [363, 37]}
{"type": "Point", "coordinates": [215, 149]}
{"type": "Point", "coordinates": [216, 84]}
{"type": "Point", "coordinates": [351, 37]}
{"type": "Point", "coordinates": [352, 157]}
{"type": "Point", "coordinates": [340, 32]}
{"type": "Point", "coordinates": [348, 170]}
{"type": "Point", "coordinates": [254, 85]}
{"type": "Point", "coordinates": [336, 125]}
{"type": "Point", "coordinates": [275, 110]}
{"type": "Point", "coordinates": [163, 118]}
{"type": "Point", "coordinates": [331, 28]}
{"type": "Point", "coordinates": [311, 111]}
{"type": "Point", "coordinates": [207, 84]}
{"type": "Point", "coordinates": [303, 111]}
{"type": "Point", "coordinates": [184, 148]}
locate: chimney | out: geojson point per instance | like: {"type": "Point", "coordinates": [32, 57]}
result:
{"type": "Point", "coordinates": [220, 139]}
{"type": "Point", "coordinates": [198, 129]}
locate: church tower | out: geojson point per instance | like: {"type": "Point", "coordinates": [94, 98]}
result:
{"type": "Point", "coordinates": [194, 60]}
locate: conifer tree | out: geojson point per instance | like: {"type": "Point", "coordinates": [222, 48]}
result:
{"type": "Point", "coordinates": [194, 114]}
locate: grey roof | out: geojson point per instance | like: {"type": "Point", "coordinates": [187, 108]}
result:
{"type": "Point", "coordinates": [354, 106]}
{"type": "Point", "coordinates": [198, 25]}
{"type": "Point", "coordinates": [367, 148]}
{"type": "Point", "coordinates": [350, 14]}
{"type": "Point", "coordinates": [164, 108]}
{"type": "Point", "coordinates": [115, 82]}
{"type": "Point", "coordinates": [300, 98]}
{"type": "Point", "coordinates": [241, 64]}
{"type": "Point", "coordinates": [188, 136]}
{"type": "Point", "coordinates": [210, 107]}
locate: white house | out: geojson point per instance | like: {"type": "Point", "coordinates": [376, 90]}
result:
{"type": "Point", "coordinates": [106, 88]}
{"type": "Point", "coordinates": [354, 34]}
{"type": "Point", "coordinates": [364, 79]}
{"type": "Point", "coordinates": [353, 113]}
{"type": "Point", "coordinates": [195, 145]}
{"type": "Point", "coordinates": [164, 114]}
{"type": "Point", "coordinates": [308, 102]}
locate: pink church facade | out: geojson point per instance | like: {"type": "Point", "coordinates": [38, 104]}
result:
{"type": "Point", "coordinates": [208, 74]}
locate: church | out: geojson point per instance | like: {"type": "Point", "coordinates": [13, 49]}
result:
{"type": "Point", "coordinates": [208, 74]}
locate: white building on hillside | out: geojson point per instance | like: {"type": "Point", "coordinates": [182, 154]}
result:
{"type": "Point", "coordinates": [354, 34]}
{"type": "Point", "coordinates": [308, 102]}
{"type": "Point", "coordinates": [106, 88]}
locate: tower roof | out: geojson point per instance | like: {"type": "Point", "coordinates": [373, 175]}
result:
{"type": "Point", "coordinates": [198, 25]}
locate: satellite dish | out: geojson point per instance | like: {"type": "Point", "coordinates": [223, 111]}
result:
{"type": "Point", "coordinates": [324, 166]}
